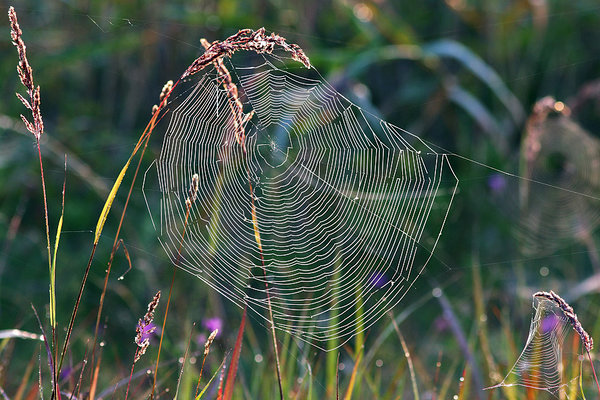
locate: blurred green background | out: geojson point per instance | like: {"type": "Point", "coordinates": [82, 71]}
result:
{"type": "Point", "coordinates": [462, 75]}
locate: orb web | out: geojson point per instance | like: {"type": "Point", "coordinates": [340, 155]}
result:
{"type": "Point", "coordinates": [349, 207]}
{"type": "Point", "coordinates": [540, 365]}
{"type": "Point", "coordinates": [558, 151]}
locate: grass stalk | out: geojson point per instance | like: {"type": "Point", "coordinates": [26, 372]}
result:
{"type": "Point", "coordinates": [411, 369]}
{"type": "Point", "coordinates": [101, 220]}
{"type": "Point", "coordinates": [36, 127]}
{"type": "Point", "coordinates": [185, 357]}
{"type": "Point", "coordinates": [240, 120]}
{"type": "Point", "coordinates": [116, 243]}
{"type": "Point", "coordinates": [593, 370]}
{"type": "Point", "coordinates": [189, 201]}
{"type": "Point", "coordinates": [47, 226]}
{"type": "Point", "coordinates": [162, 333]}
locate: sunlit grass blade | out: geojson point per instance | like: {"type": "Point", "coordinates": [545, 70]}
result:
{"type": "Point", "coordinates": [53, 266]}
{"type": "Point", "coordinates": [413, 378]}
{"type": "Point", "coordinates": [219, 370]}
{"type": "Point", "coordinates": [109, 201]}
{"type": "Point", "coordinates": [348, 395]}
{"type": "Point", "coordinates": [53, 274]}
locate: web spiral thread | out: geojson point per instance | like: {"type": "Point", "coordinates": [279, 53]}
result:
{"type": "Point", "coordinates": [349, 207]}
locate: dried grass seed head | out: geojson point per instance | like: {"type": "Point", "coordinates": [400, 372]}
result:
{"type": "Point", "coordinates": [145, 328]}
{"type": "Point", "coordinates": [249, 40]}
{"type": "Point", "coordinates": [193, 191]}
{"type": "Point", "coordinates": [163, 93]}
{"type": "Point", "coordinates": [209, 341]}
{"type": "Point", "coordinates": [25, 73]}
{"type": "Point", "coordinates": [568, 311]}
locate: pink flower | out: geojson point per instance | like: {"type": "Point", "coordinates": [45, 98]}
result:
{"type": "Point", "coordinates": [210, 324]}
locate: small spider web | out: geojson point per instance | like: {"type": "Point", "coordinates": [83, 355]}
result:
{"type": "Point", "coordinates": [540, 366]}
{"type": "Point", "coordinates": [349, 207]}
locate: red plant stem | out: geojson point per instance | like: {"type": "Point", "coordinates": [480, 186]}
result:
{"type": "Point", "coordinates": [200, 376]}
{"type": "Point", "coordinates": [593, 370]}
{"type": "Point", "coordinates": [54, 340]}
{"type": "Point", "coordinates": [45, 202]}
{"type": "Point", "coordinates": [145, 136]}
{"type": "Point", "coordinates": [131, 373]}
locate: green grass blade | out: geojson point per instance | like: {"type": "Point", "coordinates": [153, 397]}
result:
{"type": "Point", "coordinates": [53, 273]}
{"type": "Point", "coordinates": [109, 201]}
{"type": "Point", "coordinates": [210, 381]}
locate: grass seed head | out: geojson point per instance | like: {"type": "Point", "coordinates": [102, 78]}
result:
{"type": "Point", "coordinates": [145, 328]}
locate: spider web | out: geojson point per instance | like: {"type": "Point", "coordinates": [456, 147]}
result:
{"type": "Point", "coordinates": [539, 365]}
{"type": "Point", "coordinates": [559, 151]}
{"type": "Point", "coordinates": [349, 208]}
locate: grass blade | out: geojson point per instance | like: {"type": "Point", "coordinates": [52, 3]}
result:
{"type": "Point", "coordinates": [109, 201]}
{"type": "Point", "coordinates": [348, 395]}
{"type": "Point", "coordinates": [53, 266]}
{"type": "Point", "coordinates": [55, 388]}
{"type": "Point", "coordinates": [237, 350]}
{"type": "Point", "coordinates": [453, 49]}
{"type": "Point", "coordinates": [413, 378]}
{"type": "Point", "coordinates": [210, 381]}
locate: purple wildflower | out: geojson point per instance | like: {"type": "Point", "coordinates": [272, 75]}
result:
{"type": "Point", "coordinates": [496, 183]}
{"type": "Point", "coordinates": [378, 280]}
{"type": "Point", "coordinates": [66, 373]}
{"type": "Point", "coordinates": [549, 323]}
{"type": "Point", "coordinates": [146, 330]}
{"type": "Point", "coordinates": [210, 324]}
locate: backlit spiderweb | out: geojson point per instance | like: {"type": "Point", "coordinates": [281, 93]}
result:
{"type": "Point", "coordinates": [349, 208]}
{"type": "Point", "coordinates": [540, 364]}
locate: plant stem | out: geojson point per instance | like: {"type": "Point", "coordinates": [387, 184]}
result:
{"type": "Point", "coordinates": [162, 332]}
{"type": "Point", "coordinates": [114, 248]}
{"type": "Point", "coordinates": [131, 373]}
{"type": "Point", "coordinates": [76, 307]}
{"type": "Point", "coordinates": [593, 370]}
{"type": "Point", "coordinates": [411, 368]}
{"type": "Point", "coordinates": [52, 273]}
{"type": "Point", "coordinates": [262, 259]}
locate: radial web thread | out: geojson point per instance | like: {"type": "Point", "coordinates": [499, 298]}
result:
{"type": "Point", "coordinates": [349, 207]}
